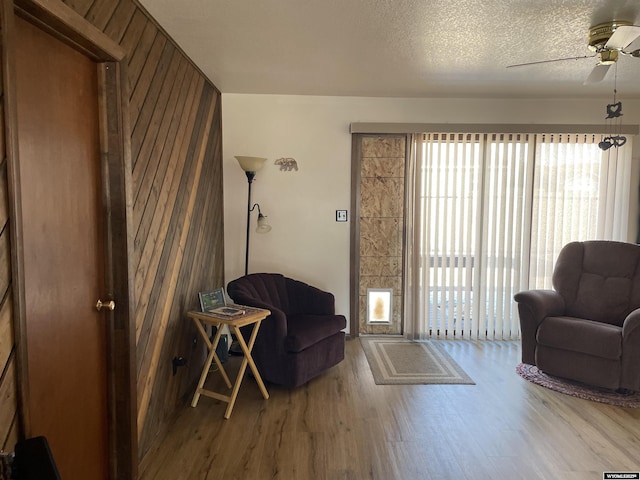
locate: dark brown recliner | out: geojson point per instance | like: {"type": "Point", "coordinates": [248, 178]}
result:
{"type": "Point", "coordinates": [588, 328]}
{"type": "Point", "coordinates": [301, 338]}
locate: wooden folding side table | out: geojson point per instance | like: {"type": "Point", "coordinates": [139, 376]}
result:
{"type": "Point", "coordinates": [252, 316]}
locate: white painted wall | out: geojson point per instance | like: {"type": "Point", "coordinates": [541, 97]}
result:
{"type": "Point", "coordinates": [306, 242]}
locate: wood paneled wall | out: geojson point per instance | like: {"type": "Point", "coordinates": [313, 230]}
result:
{"type": "Point", "coordinates": [177, 223]}
{"type": "Point", "coordinates": [8, 389]}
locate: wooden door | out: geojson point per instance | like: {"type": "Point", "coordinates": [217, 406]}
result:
{"type": "Point", "coordinates": [60, 183]}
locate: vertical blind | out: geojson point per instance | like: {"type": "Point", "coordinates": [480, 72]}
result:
{"type": "Point", "coordinates": [489, 214]}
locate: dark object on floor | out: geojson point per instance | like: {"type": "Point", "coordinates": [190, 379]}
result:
{"type": "Point", "coordinates": [588, 328]}
{"type": "Point", "coordinates": [222, 349]}
{"type": "Point", "coordinates": [6, 465]}
{"type": "Point", "coordinates": [301, 338]}
{"type": "Point", "coordinates": [579, 390]}
{"type": "Point", "coordinates": [34, 460]}
{"type": "Point", "coordinates": [235, 349]}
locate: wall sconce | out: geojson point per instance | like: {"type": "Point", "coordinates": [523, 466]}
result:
{"type": "Point", "coordinates": [251, 165]}
{"type": "Point", "coordinates": [263, 226]}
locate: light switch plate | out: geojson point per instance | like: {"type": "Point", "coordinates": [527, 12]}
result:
{"type": "Point", "coordinates": [341, 215]}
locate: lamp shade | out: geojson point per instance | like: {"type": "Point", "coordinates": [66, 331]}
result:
{"type": "Point", "coordinates": [263, 226]}
{"type": "Point", "coordinates": [251, 164]}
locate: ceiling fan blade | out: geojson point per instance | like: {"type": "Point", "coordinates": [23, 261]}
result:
{"type": "Point", "coordinates": [622, 37]}
{"type": "Point", "coordinates": [597, 74]}
{"type": "Point", "coordinates": [633, 46]}
{"type": "Point", "coordinates": [549, 61]}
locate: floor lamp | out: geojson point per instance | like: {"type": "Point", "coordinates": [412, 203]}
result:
{"type": "Point", "coordinates": [251, 165]}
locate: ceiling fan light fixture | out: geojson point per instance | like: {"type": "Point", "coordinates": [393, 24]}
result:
{"type": "Point", "coordinates": [600, 34]}
{"type": "Point", "coordinates": [608, 57]}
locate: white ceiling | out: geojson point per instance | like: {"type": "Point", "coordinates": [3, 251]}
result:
{"type": "Point", "coordinates": [398, 48]}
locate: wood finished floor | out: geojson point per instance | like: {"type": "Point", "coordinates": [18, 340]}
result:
{"type": "Point", "coordinates": [344, 426]}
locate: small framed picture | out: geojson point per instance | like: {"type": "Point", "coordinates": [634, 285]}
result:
{"type": "Point", "coordinates": [212, 300]}
{"type": "Point", "coordinates": [379, 305]}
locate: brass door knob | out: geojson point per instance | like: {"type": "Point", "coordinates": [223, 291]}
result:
{"type": "Point", "coordinates": [110, 305]}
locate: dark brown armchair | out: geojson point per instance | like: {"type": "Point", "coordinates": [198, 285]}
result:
{"type": "Point", "coordinates": [588, 328]}
{"type": "Point", "coordinates": [303, 335]}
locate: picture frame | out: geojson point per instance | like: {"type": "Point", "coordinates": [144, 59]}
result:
{"type": "Point", "coordinates": [212, 300]}
{"type": "Point", "coordinates": [379, 306]}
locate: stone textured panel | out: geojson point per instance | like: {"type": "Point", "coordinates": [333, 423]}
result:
{"type": "Point", "coordinates": [380, 237]}
{"type": "Point", "coordinates": [382, 197]}
{"type": "Point", "coordinates": [383, 147]}
{"type": "Point", "coordinates": [381, 282]}
{"type": "Point", "coordinates": [380, 266]}
{"type": "Point", "coordinates": [382, 167]}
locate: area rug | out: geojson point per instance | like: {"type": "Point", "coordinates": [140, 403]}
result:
{"type": "Point", "coordinates": [396, 361]}
{"type": "Point", "coordinates": [534, 375]}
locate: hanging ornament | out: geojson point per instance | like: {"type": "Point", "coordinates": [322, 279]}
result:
{"type": "Point", "coordinates": [614, 111]}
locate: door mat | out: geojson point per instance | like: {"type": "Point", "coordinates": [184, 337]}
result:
{"type": "Point", "coordinates": [396, 361]}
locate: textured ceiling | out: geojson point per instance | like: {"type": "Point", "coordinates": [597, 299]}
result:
{"type": "Point", "coordinates": [398, 48]}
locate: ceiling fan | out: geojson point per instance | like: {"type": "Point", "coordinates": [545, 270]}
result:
{"type": "Point", "coordinates": [607, 41]}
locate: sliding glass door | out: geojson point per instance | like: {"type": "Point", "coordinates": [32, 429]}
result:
{"type": "Point", "coordinates": [490, 214]}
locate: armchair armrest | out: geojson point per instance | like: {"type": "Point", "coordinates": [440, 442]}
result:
{"type": "Point", "coordinates": [306, 299]}
{"type": "Point", "coordinates": [321, 302]}
{"type": "Point", "coordinates": [631, 325]}
{"type": "Point", "coordinates": [273, 330]}
{"type": "Point", "coordinates": [630, 378]}
{"type": "Point", "coordinates": [533, 307]}
{"type": "Point", "coordinates": [540, 304]}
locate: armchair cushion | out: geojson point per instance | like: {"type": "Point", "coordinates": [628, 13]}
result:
{"type": "Point", "coordinates": [306, 330]}
{"type": "Point", "coordinates": [583, 336]}
{"type": "Point", "coordinates": [598, 280]}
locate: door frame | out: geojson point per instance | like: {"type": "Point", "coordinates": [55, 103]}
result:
{"type": "Point", "coordinates": [62, 22]}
